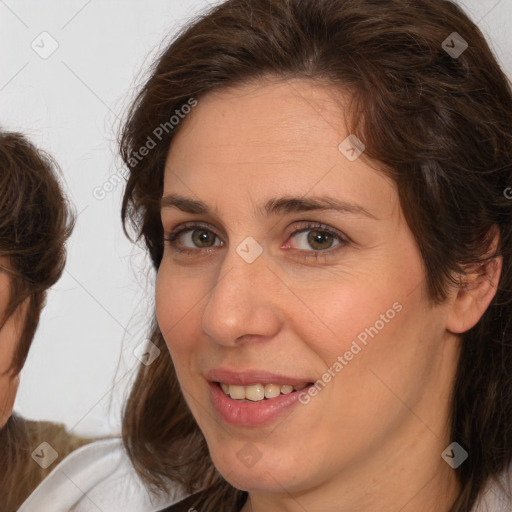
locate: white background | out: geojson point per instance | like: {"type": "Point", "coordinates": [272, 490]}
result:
{"type": "Point", "coordinates": [81, 361]}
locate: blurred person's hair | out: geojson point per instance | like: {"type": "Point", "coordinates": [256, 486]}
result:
{"type": "Point", "coordinates": [35, 223]}
{"type": "Point", "coordinates": [19, 473]}
{"type": "Point", "coordinates": [439, 126]}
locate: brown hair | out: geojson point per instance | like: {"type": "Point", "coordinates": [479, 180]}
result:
{"type": "Point", "coordinates": [20, 473]}
{"type": "Point", "coordinates": [439, 126]}
{"type": "Point", "coordinates": [35, 222]}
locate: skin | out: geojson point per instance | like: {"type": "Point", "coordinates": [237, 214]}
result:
{"type": "Point", "coordinates": [372, 438]}
{"type": "Point", "coordinates": [9, 336]}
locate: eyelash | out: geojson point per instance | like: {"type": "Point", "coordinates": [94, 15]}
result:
{"type": "Point", "coordinates": [306, 226]}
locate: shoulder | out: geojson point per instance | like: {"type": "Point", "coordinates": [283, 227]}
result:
{"type": "Point", "coordinates": [96, 476]}
{"type": "Point", "coordinates": [19, 440]}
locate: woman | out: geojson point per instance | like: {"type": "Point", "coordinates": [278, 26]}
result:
{"type": "Point", "coordinates": [320, 186]}
{"type": "Point", "coordinates": [35, 223]}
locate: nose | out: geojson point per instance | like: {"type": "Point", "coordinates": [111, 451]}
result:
{"type": "Point", "coordinates": [242, 305]}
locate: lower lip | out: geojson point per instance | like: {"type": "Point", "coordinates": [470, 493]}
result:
{"type": "Point", "coordinates": [249, 414]}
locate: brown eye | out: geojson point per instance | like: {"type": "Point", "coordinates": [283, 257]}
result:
{"type": "Point", "coordinates": [191, 239]}
{"type": "Point", "coordinates": [315, 240]}
{"type": "Point", "coordinates": [203, 238]}
{"type": "Point", "coordinates": [319, 240]}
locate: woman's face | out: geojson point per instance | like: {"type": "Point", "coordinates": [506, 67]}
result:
{"type": "Point", "coordinates": [291, 263]}
{"type": "Point", "coordinates": [9, 338]}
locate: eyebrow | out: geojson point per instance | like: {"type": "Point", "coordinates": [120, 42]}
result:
{"type": "Point", "coordinates": [274, 206]}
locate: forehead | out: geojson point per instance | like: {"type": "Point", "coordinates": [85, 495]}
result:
{"type": "Point", "coordinates": [270, 120]}
{"type": "Point", "coordinates": [269, 139]}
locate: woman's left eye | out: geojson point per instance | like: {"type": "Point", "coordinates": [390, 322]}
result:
{"type": "Point", "coordinates": [316, 239]}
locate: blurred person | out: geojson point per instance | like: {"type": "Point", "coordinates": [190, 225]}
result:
{"type": "Point", "coordinates": [35, 223]}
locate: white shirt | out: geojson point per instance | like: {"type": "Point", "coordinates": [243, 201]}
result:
{"type": "Point", "coordinates": [97, 477]}
{"type": "Point", "coordinates": [495, 499]}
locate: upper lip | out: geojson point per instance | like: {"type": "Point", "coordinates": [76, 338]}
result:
{"type": "Point", "coordinates": [248, 377]}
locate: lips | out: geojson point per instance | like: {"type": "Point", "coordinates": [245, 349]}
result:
{"type": "Point", "coordinates": [254, 408]}
{"type": "Point", "coordinates": [250, 377]}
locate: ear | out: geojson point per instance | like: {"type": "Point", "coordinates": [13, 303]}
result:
{"type": "Point", "coordinates": [477, 289]}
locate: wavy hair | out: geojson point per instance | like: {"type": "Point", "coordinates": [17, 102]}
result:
{"type": "Point", "coordinates": [35, 223]}
{"type": "Point", "coordinates": [440, 126]}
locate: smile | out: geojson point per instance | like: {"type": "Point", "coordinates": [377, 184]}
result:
{"type": "Point", "coordinates": [258, 392]}
{"type": "Point", "coordinates": [254, 409]}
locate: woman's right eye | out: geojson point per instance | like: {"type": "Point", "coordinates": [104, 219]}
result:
{"type": "Point", "coordinates": [193, 238]}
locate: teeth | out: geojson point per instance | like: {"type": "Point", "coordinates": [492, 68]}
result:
{"type": "Point", "coordinates": [258, 392]}
{"type": "Point", "coordinates": [255, 393]}
{"type": "Point", "coordinates": [272, 390]}
{"type": "Point", "coordinates": [237, 392]}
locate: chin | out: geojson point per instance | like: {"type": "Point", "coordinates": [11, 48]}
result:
{"type": "Point", "coordinates": [240, 466]}
{"type": "Point", "coordinates": [256, 481]}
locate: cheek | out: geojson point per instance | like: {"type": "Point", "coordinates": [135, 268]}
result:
{"type": "Point", "coordinates": [177, 301]}
{"type": "Point", "coordinates": [376, 329]}
{"type": "Point", "coordinates": [9, 336]}
{"type": "Point", "coordinates": [365, 330]}
{"type": "Point", "coordinates": [171, 308]}
{"type": "Point", "coordinates": [374, 301]}
{"type": "Point", "coordinates": [8, 389]}
{"type": "Point", "coordinates": [344, 316]}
